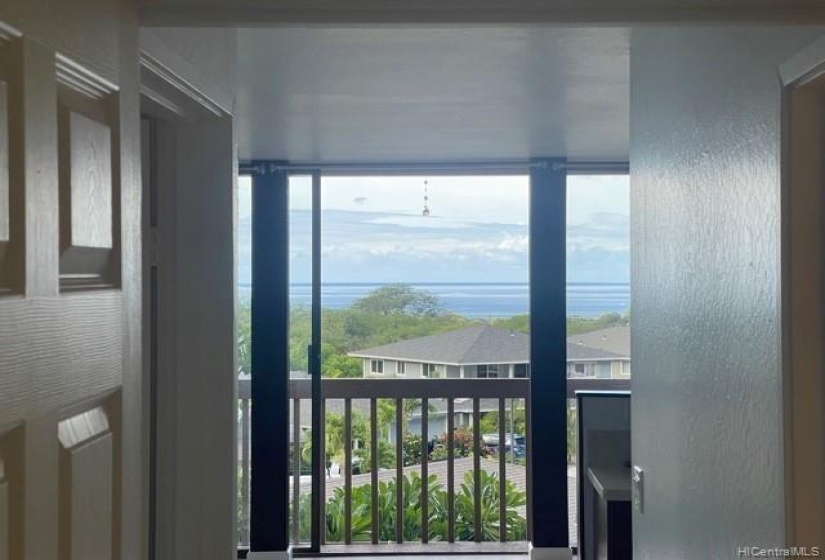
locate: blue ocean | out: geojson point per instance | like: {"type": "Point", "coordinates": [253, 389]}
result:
{"type": "Point", "coordinates": [479, 300]}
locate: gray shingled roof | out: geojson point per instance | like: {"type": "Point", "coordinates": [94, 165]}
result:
{"type": "Point", "coordinates": [480, 344]}
{"type": "Point", "coordinates": [611, 339]}
{"type": "Point", "coordinates": [582, 353]}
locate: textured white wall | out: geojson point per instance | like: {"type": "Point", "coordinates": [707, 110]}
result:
{"type": "Point", "coordinates": [705, 117]}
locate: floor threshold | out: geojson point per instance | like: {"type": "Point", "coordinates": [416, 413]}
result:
{"type": "Point", "coordinates": [467, 550]}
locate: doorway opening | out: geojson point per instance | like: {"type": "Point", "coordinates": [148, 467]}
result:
{"type": "Point", "coordinates": [803, 299]}
{"type": "Point", "coordinates": [399, 285]}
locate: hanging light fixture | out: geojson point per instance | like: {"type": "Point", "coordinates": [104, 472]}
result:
{"type": "Point", "coordinates": [426, 211]}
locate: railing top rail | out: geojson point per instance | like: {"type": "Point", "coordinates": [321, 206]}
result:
{"type": "Point", "coordinates": [431, 388]}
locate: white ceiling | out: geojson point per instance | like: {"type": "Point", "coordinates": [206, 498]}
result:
{"type": "Point", "coordinates": [433, 94]}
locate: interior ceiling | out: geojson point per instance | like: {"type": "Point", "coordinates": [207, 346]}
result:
{"type": "Point", "coordinates": [433, 94]}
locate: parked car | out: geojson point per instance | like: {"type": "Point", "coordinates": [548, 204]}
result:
{"type": "Point", "coordinates": [519, 448]}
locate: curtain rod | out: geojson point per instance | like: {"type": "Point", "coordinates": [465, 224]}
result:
{"type": "Point", "coordinates": [502, 167]}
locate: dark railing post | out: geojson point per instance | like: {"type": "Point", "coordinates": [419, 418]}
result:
{"type": "Point", "coordinates": [347, 471]}
{"type": "Point", "coordinates": [477, 536]}
{"type": "Point", "coordinates": [425, 471]}
{"type": "Point", "coordinates": [548, 349]}
{"type": "Point", "coordinates": [319, 442]}
{"type": "Point", "coordinates": [296, 471]}
{"type": "Point", "coordinates": [502, 470]}
{"type": "Point", "coordinates": [399, 470]}
{"type": "Point", "coordinates": [270, 362]}
{"type": "Point", "coordinates": [375, 527]}
{"type": "Point", "coordinates": [245, 439]}
{"type": "Point", "coordinates": [450, 470]}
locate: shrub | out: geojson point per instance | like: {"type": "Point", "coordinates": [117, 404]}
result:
{"type": "Point", "coordinates": [411, 506]}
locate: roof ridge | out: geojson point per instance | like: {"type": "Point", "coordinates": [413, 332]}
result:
{"type": "Point", "coordinates": [472, 345]}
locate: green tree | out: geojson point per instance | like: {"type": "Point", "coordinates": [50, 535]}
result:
{"type": "Point", "coordinates": [579, 325]}
{"type": "Point", "coordinates": [399, 299]}
{"type": "Point", "coordinates": [334, 435]}
{"type": "Point", "coordinates": [572, 434]}
{"type": "Point", "coordinates": [386, 414]}
{"type": "Point", "coordinates": [362, 529]}
{"type": "Point", "coordinates": [489, 421]}
{"type": "Point", "coordinates": [244, 339]}
{"type": "Point", "coordinates": [336, 366]}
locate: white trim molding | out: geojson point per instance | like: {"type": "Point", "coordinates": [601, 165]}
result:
{"type": "Point", "coordinates": [8, 33]}
{"type": "Point", "coordinates": [805, 65]}
{"type": "Point", "coordinates": [277, 555]}
{"type": "Point", "coordinates": [81, 79]}
{"type": "Point", "coordinates": [547, 553]}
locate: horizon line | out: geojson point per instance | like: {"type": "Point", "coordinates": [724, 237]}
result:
{"type": "Point", "coordinates": [244, 284]}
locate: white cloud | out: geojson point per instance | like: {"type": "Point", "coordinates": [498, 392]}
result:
{"type": "Point", "coordinates": [373, 230]}
{"type": "Point", "coordinates": [421, 222]}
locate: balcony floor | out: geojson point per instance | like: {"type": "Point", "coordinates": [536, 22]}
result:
{"type": "Point", "coordinates": [467, 550]}
{"type": "Point", "coordinates": [446, 557]}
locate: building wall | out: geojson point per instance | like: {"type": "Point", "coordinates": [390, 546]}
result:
{"type": "Point", "coordinates": [620, 369]}
{"type": "Point", "coordinates": [413, 369]}
{"type": "Point", "coordinates": [600, 370]}
{"type": "Point", "coordinates": [436, 426]}
{"type": "Point", "coordinates": [390, 368]}
{"type": "Point", "coordinates": [707, 417]}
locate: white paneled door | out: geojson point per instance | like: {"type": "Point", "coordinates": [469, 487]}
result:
{"type": "Point", "coordinates": [71, 466]}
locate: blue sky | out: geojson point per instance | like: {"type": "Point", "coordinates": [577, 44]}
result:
{"type": "Point", "coordinates": [374, 231]}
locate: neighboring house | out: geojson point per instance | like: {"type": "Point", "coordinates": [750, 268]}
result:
{"type": "Point", "coordinates": [483, 351]}
{"type": "Point", "coordinates": [597, 351]}
{"type": "Point", "coordinates": [462, 415]}
{"type": "Point", "coordinates": [475, 352]}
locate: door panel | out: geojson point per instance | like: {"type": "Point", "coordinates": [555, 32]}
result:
{"type": "Point", "coordinates": [69, 322]}
{"type": "Point", "coordinates": [86, 485]}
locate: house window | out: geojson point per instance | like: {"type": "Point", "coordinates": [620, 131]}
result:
{"type": "Point", "coordinates": [432, 371]}
{"type": "Point", "coordinates": [521, 370]}
{"type": "Point", "coordinates": [584, 369]}
{"type": "Point", "coordinates": [487, 371]}
{"type": "Point", "coordinates": [377, 366]}
{"type": "Point", "coordinates": [626, 368]}
{"type": "Point", "coordinates": [401, 368]}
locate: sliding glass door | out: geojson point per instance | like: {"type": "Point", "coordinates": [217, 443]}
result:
{"type": "Point", "coordinates": [360, 430]}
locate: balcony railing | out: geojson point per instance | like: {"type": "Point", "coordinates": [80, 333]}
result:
{"type": "Point", "coordinates": [459, 398]}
